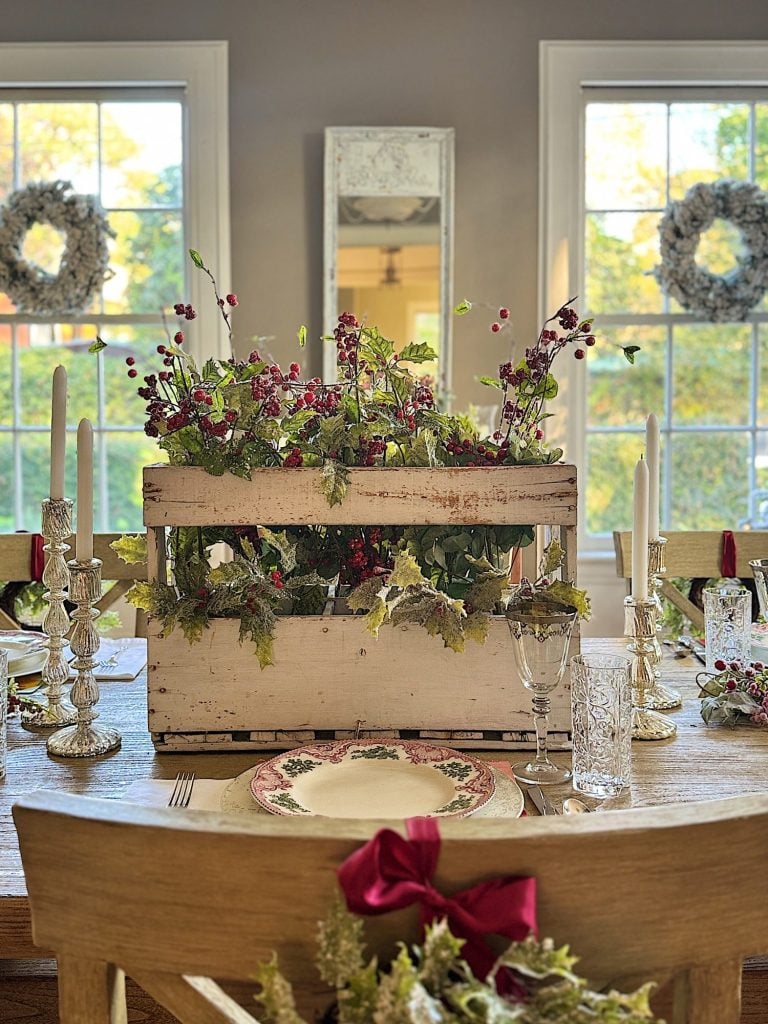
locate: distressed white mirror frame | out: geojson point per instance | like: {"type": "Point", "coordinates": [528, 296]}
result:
{"type": "Point", "coordinates": [389, 162]}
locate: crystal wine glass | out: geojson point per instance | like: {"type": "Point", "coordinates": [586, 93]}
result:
{"type": "Point", "coordinates": [540, 632]}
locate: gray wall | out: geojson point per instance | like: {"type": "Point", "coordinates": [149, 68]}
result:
{"type": "Point", "coordinates": [299, 65]}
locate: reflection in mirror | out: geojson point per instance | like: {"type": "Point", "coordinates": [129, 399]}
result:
{"type": "Point", "coordinates": [388, 236]}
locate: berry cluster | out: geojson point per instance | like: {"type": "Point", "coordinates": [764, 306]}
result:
{"type": "Point", "coordinates": [475, 453]}
{"type": "Point", "coordinates": [363, 558]}
{"type": "Point", "coordinates": [180, 309]}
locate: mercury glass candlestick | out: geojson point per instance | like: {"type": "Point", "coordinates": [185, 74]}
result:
{"type": "Point", "coordinates": [658, 696]}
{"type": "Point", "coordinates": [640, 629]}
{"type": "Point", "coordinates": [84, 739]}
{"type": "Point", "coordinates": [56, 526]}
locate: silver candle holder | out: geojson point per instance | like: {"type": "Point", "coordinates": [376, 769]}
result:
{"type": "Point", "coordinates": [640, 629]}
{"type": "Point", "coordinates": [659, 696]}
{"type": "Point", "coordinates": [57, 526]}
{"type": "Point", "coordinates": [84, 739]}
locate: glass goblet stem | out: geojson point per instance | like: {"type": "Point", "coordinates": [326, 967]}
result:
{"type": "Point", "coordinates": [542, 705]}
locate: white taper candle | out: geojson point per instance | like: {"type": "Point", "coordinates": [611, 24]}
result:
{"type": "Point", "coordinates": [652, 454]}
{"type": "Point", "coordinates": [58, 431]}
{"type": "Point", "coordinates": [640, 533]}
{"type": "Point", "coordinates": [84, 542]}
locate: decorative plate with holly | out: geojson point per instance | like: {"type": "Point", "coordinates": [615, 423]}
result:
{"type": "Point", "coordinates": [373, 779]}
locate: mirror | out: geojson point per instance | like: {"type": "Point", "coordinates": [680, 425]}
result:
{"type": "Point", "coordinates": [389, 237]}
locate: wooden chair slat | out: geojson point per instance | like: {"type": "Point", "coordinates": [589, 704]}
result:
{"type": "Point", "coordinates": [192, 1000]}
{"type": "Point", "coordinates": [696, 553]}
{"type": "Point", "coordinates": [16, 553]}
{"type": "Point", "coordinates": [90, 992]}
{"type": "Point", "coordinates": [205, 895]}
{"type": "Point", "coordinates": [709, 995]}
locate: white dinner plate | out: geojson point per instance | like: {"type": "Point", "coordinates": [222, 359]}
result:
{"type": "Point", "coordinates": [26, 653]}
{"type": "Point", "coordinates": [373, 779]}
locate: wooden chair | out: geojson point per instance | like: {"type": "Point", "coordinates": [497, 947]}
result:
{"type": "Point", "coordinates": [15, 561]}
{"type": "Point", "coordinates": [174, 899]}
{"type": "Point", "coordinates": [694, 555]}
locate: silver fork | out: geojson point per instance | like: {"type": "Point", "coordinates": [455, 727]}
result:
{"type": "Point", "coordinates": [182, 790]}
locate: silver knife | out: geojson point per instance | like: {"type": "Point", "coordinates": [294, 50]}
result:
{"type": "Point", "coordinates": [540, 802]}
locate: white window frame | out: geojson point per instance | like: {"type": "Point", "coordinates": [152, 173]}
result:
{"type": "Point", "coordinates": [201, 69]}
{"type": "Point", "coordinates": [565, 68]}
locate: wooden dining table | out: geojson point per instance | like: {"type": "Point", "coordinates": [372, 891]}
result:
{"type": "Point", "coordinates": [700, 763]}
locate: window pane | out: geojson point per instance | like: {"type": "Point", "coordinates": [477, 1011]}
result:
{"type": "Point", "coordinates": [127, 454]}
{"type": "Point", "coordinates": [620, 251]}
{"type": "Point", "coordinates": [41, 348]}
{"type": "Point", "coordinates": [36, 470]}
{"type": "Point", "coordinates": [619, 394]}
{"type": "Point", "coordinates": [710, 488]}
{"type": "Point", "coordinates": [6, 378]}
{"type": "Point", "coordinates": [761, 479]}
{"type": "Point", "coordinates": [6, 150]}
{"type": "Point", "coordinates": [141, 154]}
{"type": "Point", "coordinates": [123, 407]}
{"type": "Point", "coordinates": [762, 379]}
{"type": "Point", "coordinates": [707, 141]}
{"type": "Point", "coordinates": [147, 257]}
{"type": "Point", "coordinates": [611, 462]}
{"type": "Point", "coordinates": [761, 144]}
{"type": "Point", "coordinates": [7, 484]}
{"type": "Point", "coordinates": [59, 140]}
{"type": "Point", "coordinates": [626, 155]}
{"type": "Point", "coordinates": [711, 374]}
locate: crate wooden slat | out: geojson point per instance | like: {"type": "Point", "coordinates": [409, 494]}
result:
{"type": "Point", "coordinates": [329, 673]}
{"type": "Point", "coordinates": [175, 496]}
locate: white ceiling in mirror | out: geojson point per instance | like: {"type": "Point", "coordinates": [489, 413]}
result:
{"type": "Point", "coordinates": [388, 189]}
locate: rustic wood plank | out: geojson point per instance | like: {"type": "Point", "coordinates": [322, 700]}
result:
{"type": "Point", "coordinates": [403, 679]}
{"type": "Point", "coordinates": [179, 496]}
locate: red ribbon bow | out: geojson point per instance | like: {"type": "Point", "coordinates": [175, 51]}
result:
{"type": "Point", "coordinates": [728, 563]}
{"type": "Point", "coordinates": [36, 558]}
{"type": "Point", "coordinates": [390, 872]}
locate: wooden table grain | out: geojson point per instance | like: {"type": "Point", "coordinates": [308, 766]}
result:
{"type": "Point", "coordinates": [699, 764]}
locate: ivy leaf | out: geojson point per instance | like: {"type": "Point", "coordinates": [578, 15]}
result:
{"type": "Point", "coordinates": [302, 336]}
{"type": "Point", "coordinates": [197, 259]}
{"type": "Point", "coordinates": [417, 352]}
{"type": "Point", "coordinates": [491, 382]}
{"type": "Point", "coordinates": [97, 345]}
{"type": "Point", "coordinates": [131, 548]}
{"type": "Point", "coordinates": [334, 481]}
{"type": "Point", "coordinates": [629, 352]}
{"type": "Point", "coordinates": [463, 307]}
{"type": "Point", "coordinates": [407, 571]}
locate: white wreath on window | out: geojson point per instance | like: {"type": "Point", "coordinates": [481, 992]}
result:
{"type": "Point", "coordinates": [84, 263]}
{"type": "Point", "coordinates": [715, 297]}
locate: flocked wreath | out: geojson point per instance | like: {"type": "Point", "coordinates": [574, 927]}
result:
{"type": "Point", "coordinates": [84, 262]}
{"type": "Point", "coordinates": [715, 297]}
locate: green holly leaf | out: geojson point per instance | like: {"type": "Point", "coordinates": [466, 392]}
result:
{"type": "Point", "coordinates": [486, 593]}
{"type": "Point", "coordinates": [491, 382]}
{"type": "Point", "coordinates": [131, 548]}
{"type": "Point", "coordinates": [376, 616]}
{"type": "Point", "coordinates": [302, 336]}
{"type": "Point", "coordinates": [423, 450]}
{"type": "Point", "coordinates": [334, 481]}
{"type": "Point", "coordinates": [629, 352]}
{"type": "Point", "coordinates": [407, 571]}
{"type": "Point", "coordinates": [140, 595]}
{"type": "Point", "coordinates": [552, 558]}
{"type": "Point", "coordinates": [417, 352]}
{"type": "Point", "coordinates": [476, 627]}
{"type": "Point", "coordinates": [331, 435]}
{"type": "Point", "coordinates": [197, 259]}
{"type": "Point", "coordinates": [97, 345]}
{"type": "Point", "coordinates": [463, 307]}
{"type": "Point", "coordinates": [364, 595]}
{"type": "Point", "coordinates": [566, 593]}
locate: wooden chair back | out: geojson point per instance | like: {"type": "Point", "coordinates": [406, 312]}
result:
{"type": "Point", "coordinates": [16, 560]}
{"type": "Point", "coordinates": [691, 554]}
{"type": "Point", "coordinates": [174, 899]}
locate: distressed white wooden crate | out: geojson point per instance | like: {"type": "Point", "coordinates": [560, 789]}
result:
{"type": "Point", "coordinates": [329, 673]}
